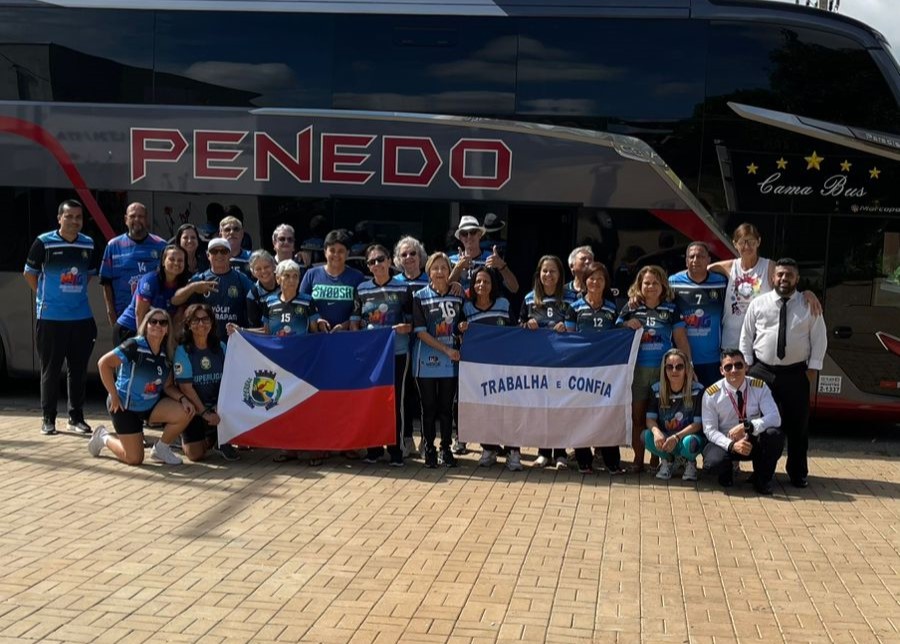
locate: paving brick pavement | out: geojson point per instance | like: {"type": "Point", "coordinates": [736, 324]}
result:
{"type": "Point", "coordinates": [95, 551]}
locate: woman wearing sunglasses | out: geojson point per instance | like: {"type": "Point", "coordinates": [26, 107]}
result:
{"type": "Point", "coordinates": [674, 420]}
{"type": "Point", "coordinates": [409, 258]}
{"type": "Point", "coordinates": [199, 364]}
{"type": "Point", "coordinates": [382, 302]}
{"type": "Point", "coordinates": [137, 376]}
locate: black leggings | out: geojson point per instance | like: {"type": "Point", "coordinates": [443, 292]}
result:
{"type": "Point", "coordinates": [437, 405]}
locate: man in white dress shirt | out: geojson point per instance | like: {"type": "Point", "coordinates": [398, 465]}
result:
{"type": "Point", "coordinates": [785, 344]}
{"type": "Point", "coordinates": [740, 421]}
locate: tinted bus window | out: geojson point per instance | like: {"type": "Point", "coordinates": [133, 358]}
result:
{"type": "Point", "coordinates": [633, 69]}
{"type": "Point", "coordinates": [243, 59]}
{"type": "Point", "coordinates": [448, 65]}
{"type": "Point", "coordinates": [75, 55]}
{"type": "Point", "coordinates": [801, 71]}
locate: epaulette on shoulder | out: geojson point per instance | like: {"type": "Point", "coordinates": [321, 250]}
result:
{"type": "Point", "coordinates": [756, 382]}
{"type": "Point", "coordinates": [712, 389]}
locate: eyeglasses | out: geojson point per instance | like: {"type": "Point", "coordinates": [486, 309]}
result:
{"type": "Point", "coordinates": [466, 233]}
{"type": "Point", "coordinates": [675, 367]}
{"type": "Point", "coordinates": [747, 241]}
{"type": "Point", "coordinates": [284, 239]}
{"type": "Point", "coordinates": [231, 229]}
{"type": "Point", "coordinates": [375, 260]}
{"type": "Point", "coordinates": [218, 251]}
{"type": "Point", "coordinates": [201, 320]}
{"type": "Point", "coordinates": [158, 322]}
{"type": "Point", "coordinates": [734, 366]}
{"type": "Point", "coordinates": [411, 253]}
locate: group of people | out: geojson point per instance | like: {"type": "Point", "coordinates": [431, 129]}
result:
{"type": "Point", "coordinates": [172, 308]}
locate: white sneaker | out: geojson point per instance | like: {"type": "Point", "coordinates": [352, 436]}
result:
{"type": "Point", "coordinates": [562, 463]}
{"type": "Point", "coordinates": [541, 461]}
{"type": "Point", "coordinates": [488, 458]}
{"type": "Point", "coordinates": [665, 470]}
{"type": "Point", "coordinates": [514, 461]}
{"type": "Point", "coordinates": [690, 471]}
{"type": "Point", "coordinates": [97, 441]}
{"type": "Point", "coordinates": [162, 453]}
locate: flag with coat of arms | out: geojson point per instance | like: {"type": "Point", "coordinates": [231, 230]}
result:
{"type": "Point", "coordinates": [309, 392]}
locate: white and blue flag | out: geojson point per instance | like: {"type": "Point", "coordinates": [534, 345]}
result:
{"type": "Point", "coordinates": [541, 388]}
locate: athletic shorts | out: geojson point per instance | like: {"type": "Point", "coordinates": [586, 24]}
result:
{"type": "Point", "coordinates": [197, 431]}
{"type": "Point", "coordinates": [127, 421]}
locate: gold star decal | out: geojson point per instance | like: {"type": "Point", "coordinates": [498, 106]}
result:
{"type": "Point", "coordinates": [845, 166]}
{"type": "Point", "coordinates": [814, 161]}
{"type": "Point", "coordinates": [874, 172]}
{"type": "Point", "coordinates": [781, 163]}
{"type": "Point", "coordinates": [752, 168]}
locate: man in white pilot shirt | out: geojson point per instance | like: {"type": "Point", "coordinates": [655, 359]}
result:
{"type": "Point", "coordinates": [741, 423]}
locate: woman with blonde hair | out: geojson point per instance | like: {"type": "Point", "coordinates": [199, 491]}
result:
{"type": "Point", "coordinates": [749, 276]}
{"type": "Point", "coordinates": [651, 310]}
{"type": "Point", "coordinates": [674, 421]}
{"type": "Point", "coordinates": [137, 376]}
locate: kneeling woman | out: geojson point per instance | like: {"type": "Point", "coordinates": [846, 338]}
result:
{"type": "Point", "coordinates": [199, 364]}
{"type": "Point", "coordinates": [674, 417]}
{"type": "Point", "coordinates": [138, 378]}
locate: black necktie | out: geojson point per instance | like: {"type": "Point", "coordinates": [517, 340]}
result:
{"type": "Point", "coordinates": [782, 329]}
{"type": "Point", "coordinates": [740, 397]}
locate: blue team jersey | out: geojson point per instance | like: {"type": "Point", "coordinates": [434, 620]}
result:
{"type": "Point", "coordinates": [415, 283]}
{"type": "Point", "coordinates": [241, 262]}
{"type": "Point", "coordinates": [466, 277]}
{"type": "Point", "coordinates": [497, 315]}
{"type": "Point", "coordinates": [439, 315]}
{"type": "Point", "coordinates": [550, 312]}
{"type": "Point", "coordinates": [142, 375]}
{"type": "Point", "coordinates": [125, 261]}
{"type": "Point", "coordinates": [202, 368]}
{"type": "Point", "coordinates": [656, 333]}
{"type": "Point", "coordinates": [155, 292]}
{"type": "Point", "coordinates": [584, 318]}
{"type": "Point", "coordinates": [385, 306]}
{"type": "Point", "coordinates": [288, 318]}
{"type": "Point", "coordinates": [229, 302]}
{"type": "Point", "coordinates": [255, 299]}
{"type": "Point", "coordinates": [334, 296]}
{"type": "Point", "coordinates": [675, 417]}
{"type": "Point", "coordinates": [701, 305]}
{"type": "Point", "coordinates": [63, 269]}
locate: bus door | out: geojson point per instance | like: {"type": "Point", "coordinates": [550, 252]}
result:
{"type": "Point", "coordinates": [862, 300]}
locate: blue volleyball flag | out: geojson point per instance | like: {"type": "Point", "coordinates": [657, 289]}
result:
{"type": "Point", "coordinates": [546, 389]}
{"type": "Point", "coordinates": [309, 392]}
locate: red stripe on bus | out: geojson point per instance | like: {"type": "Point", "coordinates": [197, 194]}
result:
{"type": "Point", "coordinates": [689, 224]}
{"type": "Point", "coordinates": [42, 137]}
